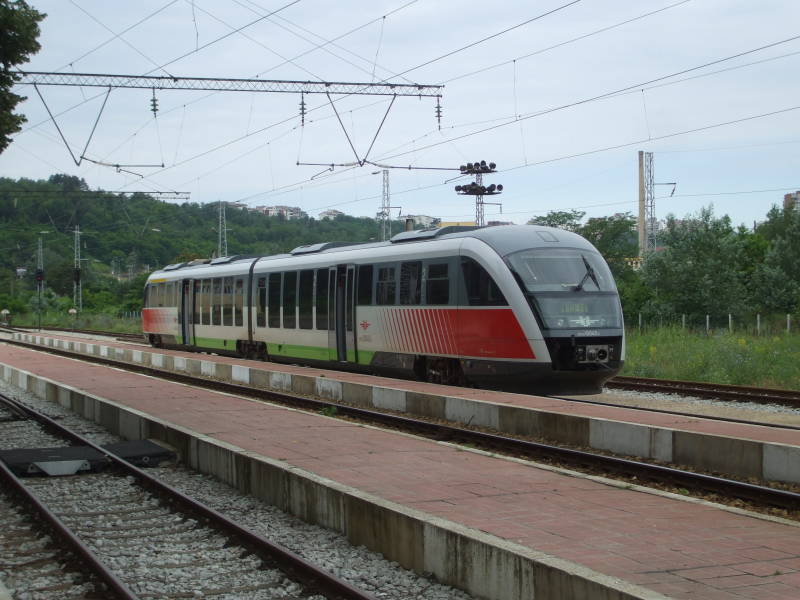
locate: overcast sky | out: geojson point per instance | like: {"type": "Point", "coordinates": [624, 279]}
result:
{"type": "Point", "coordinates": [522, 99]}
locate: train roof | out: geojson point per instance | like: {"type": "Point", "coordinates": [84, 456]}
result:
{"type": "Point", "coordinates": [503, 239]}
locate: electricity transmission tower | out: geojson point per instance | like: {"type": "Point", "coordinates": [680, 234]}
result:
{"type": "Point", "coordinates": [385, 215]}
{"type": "Point", "coordinates": [222, 243]}
{"type": "Point", "coordinates": [77, 290]}
{"type": "Point", "coordinates": [648, 225]}
{"type": "Point", "coordinates": [647, 205]}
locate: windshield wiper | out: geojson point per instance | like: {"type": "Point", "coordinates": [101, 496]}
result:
{"type": "Point", "coordinates": [589, 274]}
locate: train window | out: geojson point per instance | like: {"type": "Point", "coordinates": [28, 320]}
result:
{"type": "Point", "coordinates": [289, 300]}
{"type": "Point", "coordinates": [261, 302]}
{"type": "Point", "coordinates": [364, 285]}
{"type": "Point", "coordinates": [385, 292]}
{"type": "Point", "coordinates": [437, 284]}
{"type": "Point", "coordinates": [481, 288]}
{"type": "Point", "coordinates": [306, 300]}
{"type": "Point", "coordinates": [274, 305]}
{"type": "Point", "coordinates": [216, 301]}
{"type": "Point", "coordinates": [227, 301]}
{"type": "Point", "coordinates": [410, 282]}
{"type": "Point", "coordinates": [321, 298]}
{"type": "Point", "coordinates": [238, 304]}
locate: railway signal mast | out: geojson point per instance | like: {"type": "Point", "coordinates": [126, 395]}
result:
{"type": "Point", "coordinates": [477, 189]}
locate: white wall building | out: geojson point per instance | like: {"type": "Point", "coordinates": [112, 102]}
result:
{"type": "Point", "coordinates": [287, 212]}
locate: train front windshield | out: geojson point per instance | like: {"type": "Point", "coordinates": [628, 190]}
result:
{"type": "Point", "coordinates": [570, 288]}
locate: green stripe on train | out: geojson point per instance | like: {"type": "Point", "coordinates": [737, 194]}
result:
{"type": "Point", "coordinates": [290, 350]}
{"type": "Point", "coordinates": [215, 343]}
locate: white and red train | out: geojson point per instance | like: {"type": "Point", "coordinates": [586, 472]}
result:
{"type": "Point", "coordinates": [519, 308]}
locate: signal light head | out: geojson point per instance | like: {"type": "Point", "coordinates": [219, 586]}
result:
{"type": "Point", "coordinates": [492, 166]}
{"type": "Point", "coordinates": [499, 187]}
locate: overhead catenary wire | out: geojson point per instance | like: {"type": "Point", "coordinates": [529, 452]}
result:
{"type": "Point", "coordinates": [627, 89]}
{"type": "Point", "coordinates": [566, 42]}
{"type": "Point", "coordinates": [118, 35]}
{"type": "Point", "coordinates": [488, 37]}
{"type": "Point", "coordinates": [610, 94]}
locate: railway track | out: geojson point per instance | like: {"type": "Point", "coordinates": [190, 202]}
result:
{"type": "Point", "coordinates": [142, 538]}
{"type": "Point", "coordinates": [576, 458]}
{"type": "Point", "coordinates": [714, 391]}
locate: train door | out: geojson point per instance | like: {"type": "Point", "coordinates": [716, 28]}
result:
{"type": "Point", "coordinates": [341, 313]}
{"type": "Point", "coordinates": [186, 310]}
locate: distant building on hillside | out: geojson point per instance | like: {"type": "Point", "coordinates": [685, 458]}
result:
{"type": "Point", "coordinates": [792, 200]}
{"type": "Point", "coordinates": [239, 205]}
{"type": "Point", "coordinates": [287, 212]}
{"type": "Point", "coordinates": [330, 214]}
{"type": "Point", "coordinates": [423, 220]}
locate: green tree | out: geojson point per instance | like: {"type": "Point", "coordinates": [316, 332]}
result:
{"type": "Point", "coordinates": [614, 237]}
{"type": "Point", "coordinates": [18, 34]}
{"type": "Point", "coordinates": [564, 219]}
{"type": "Point", "coordinates": [776, 279]}
{"type": "Point", "coordinates": [699, 271]}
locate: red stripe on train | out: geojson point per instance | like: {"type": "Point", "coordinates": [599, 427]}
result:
{"type": "Point", "coordinates": [494, 333]}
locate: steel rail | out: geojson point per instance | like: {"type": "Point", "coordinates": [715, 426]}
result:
{"type": "Point", "coordinates": [514, 446]}
{"type": "Point", "coordinates": [708, 390]}
{"type": "Point", "coordinates": [294, 565]}
{"type": "Point", "coordinates": [678, 413]}
{"type": "Point", "coordinates": [75, 545]}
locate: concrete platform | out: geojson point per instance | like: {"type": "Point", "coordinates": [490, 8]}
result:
{"type": "Point", "coordinates": [735, 449]}
{"type": "Point", "coordinates": [499, 528]}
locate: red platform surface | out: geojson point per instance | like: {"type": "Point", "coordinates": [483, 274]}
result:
{"type": "Point", "coordinates": [680, 548]}
{"type": "Point", "coordinates": [696, 424]}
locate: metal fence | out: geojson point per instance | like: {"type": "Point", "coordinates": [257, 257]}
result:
{"type": "Point", "coordinates": [756, 324]}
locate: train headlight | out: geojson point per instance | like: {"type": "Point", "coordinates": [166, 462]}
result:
{"type": "Point", "coordinates": [592, 354]}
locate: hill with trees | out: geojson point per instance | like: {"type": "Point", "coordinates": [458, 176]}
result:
{"type": "Point", "coordinates": [124, 237]}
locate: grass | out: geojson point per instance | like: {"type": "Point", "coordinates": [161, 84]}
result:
{"type": "Point", "coordinates": [736, 359]}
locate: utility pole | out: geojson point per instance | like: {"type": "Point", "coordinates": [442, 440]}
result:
{"type": "Point", "coordinates": [222, 244]}
{"type": "Point", "coordinates": [477, 189]}
{"type": "Point", "coordinates": [385, 214]}
{"type": "Point", "coordinates": [39, 280]}
{"type": "Point", "coordinates": [77, 290]}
